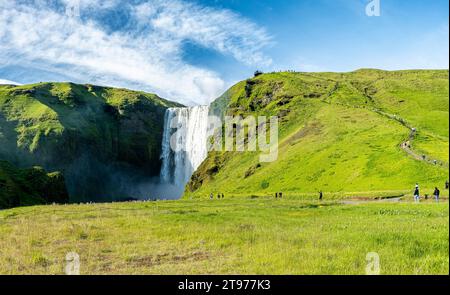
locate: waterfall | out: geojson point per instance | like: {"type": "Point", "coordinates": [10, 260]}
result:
{"type": "Point", "coordinates": [166, 153]}
{"type": "Point", "coordinates": [184, 143]}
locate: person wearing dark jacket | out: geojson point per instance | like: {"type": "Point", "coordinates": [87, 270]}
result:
{"type": "Point", "coordinates": [436, 194]}
{"type": "Point", "coordinates": [417, 194]}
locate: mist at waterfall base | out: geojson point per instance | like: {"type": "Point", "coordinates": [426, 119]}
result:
{"type": "Point", "coordinates": [183, 149]}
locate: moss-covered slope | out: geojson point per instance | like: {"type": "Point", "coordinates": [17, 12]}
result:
{"type": "Point", "coordinates": [104, 140]}
{"type": "Point", "coordinates": [339, 132]}
{"type": "Point", "coordinates": [23, 187]}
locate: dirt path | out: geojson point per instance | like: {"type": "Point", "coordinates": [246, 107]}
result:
{"type": "Point", "coordinates": [355, 202]}
{"type": "Point", "coordinates": [406, 145]}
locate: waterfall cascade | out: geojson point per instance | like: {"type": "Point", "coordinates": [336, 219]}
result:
{"type": "Point", "coordinates": [184, 144]}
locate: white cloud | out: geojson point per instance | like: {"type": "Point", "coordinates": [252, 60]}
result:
{"type": "Point", "coordinates": [145, 52]}
{"type": "Point", "coordinates": [8, 82]}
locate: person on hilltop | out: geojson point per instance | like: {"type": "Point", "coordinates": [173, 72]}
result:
{"type": "Point", "coordinates": [320, 196]}
{"type": "Point", "coordinates": [280, 195]}
{"type": "Point", "coordinates": [417, 193]}
{"type": "Point", "coordinates": [436, 194]}
{"type": "Point", "coordinates": [211, 196]}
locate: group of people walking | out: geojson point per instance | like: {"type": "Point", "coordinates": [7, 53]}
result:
{"type": "Point", "coordinates": [436, 193]}
{"type": "Point", "coordinates": [219, 196]}
{"type": "Point", "coordinates": [278, 195]}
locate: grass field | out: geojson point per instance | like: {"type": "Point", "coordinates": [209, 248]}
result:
{"type": "Point", "coordinates": [230, 236]}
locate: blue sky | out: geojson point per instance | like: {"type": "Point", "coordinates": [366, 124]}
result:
{"type": "Point", "coordinates": [336, 35]}
{"type": "Point", "coordinates": [191, 51]}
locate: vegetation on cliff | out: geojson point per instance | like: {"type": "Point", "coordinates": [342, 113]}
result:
{"type": "Point", "coordinates": [24, 187]}
{"type": "Point", "coordinates": [104, 140]}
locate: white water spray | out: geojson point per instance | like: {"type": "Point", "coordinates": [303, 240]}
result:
{"type": "Point", "coordinates": [184, 144]}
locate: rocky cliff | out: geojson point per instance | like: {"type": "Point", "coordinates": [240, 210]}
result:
{"type": "Point", "coordinates": [105, 141]}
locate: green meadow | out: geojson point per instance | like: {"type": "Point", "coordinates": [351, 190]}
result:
{"type": "Point", "coordinates": [229, 236]}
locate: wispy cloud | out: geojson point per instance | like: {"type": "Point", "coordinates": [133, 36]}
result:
{"type": "Point", "coordinates": [3, 82]}
{"type": "Point", "coordinates": [142, 47]}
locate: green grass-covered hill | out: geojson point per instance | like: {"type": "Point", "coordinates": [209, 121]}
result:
{"type": "Point", "coordinates": [98, 137]}
{"type": "Point", "coordinates": [342, 133]}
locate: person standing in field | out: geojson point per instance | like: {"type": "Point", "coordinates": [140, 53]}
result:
{"type": "Point", "coordinates": [436, 194]}
{"type": "Point", "coordinates": [320, 196]}
{"type": "Point", "coordinates": [417, 194]}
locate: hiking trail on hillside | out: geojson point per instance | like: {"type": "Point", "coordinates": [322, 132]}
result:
{"type": "Point", "coordinates": [405, 145]}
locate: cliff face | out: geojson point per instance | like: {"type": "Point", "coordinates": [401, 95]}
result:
{"type": "Point", "coordinates": [105, 141]}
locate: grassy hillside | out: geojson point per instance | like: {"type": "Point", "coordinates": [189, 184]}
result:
{"type": "Point", "coordinates": [244, 236]}
{"type": "Point", "coordinates": [339, 132]}
{"type": "Point", "coordinates": [104, 140]}
{"type": "Point", "coordinates": [24, 187]}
